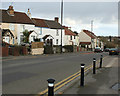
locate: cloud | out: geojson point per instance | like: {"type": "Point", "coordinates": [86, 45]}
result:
{"type": "Point", "coordinates": [77, 15]}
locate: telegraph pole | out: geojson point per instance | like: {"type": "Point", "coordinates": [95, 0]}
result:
{"type": "Point", "coordinates": [61, 22]}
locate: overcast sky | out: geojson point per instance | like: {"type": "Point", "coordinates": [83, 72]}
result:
{"type": "Point", "coordinates": [77, 15]}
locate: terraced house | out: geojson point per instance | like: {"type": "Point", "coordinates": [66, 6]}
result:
{"type": "Point", "coordinates": [13, 24]}
{"type": "Point", "coordinates": [49, 31]}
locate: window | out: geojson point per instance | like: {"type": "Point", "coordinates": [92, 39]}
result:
{"type": "Point", "coordinates": [23, 26]}
{"type": "Point", "coordinates": [12, 27]}
{"type": "Point", "coordinates": [56, 41]}
{"type": "Point", "coordinates": [57, 33]}
{"type": "Point", "coordinates": [21, 38]}
{"type": "Point", "coordinates": [40, 31]}
{"type": "Point", "coordinates": [70, 37]}
{"type": "Point", "coordinates": [74, 37]}
{"type": "Point", "coordinates": [13, 40]}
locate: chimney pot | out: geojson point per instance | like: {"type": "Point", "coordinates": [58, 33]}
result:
{"type": "Point", "coordinates": [57, 19]}
{"type": "Point", "coordinates": [11, 10]}
{"type": "Point", "coordinates": [28, 13]}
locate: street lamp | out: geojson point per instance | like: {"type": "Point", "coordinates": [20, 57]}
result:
{"type": "Point", "coordinates": [61, 22]}
{"type": "Point", "coordinates": [91, 33]}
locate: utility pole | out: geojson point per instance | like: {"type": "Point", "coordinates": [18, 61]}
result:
{"type": "Point", "coordinates": [91, 33]}
{"type": "Point", "coordinates": [61, 22]}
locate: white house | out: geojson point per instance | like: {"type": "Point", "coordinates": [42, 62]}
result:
{"type": "Point", "coordinates": [47, 31]}
{"type": "Point", "coordinates": [88, 39]}
{"type": "Point", "coordinates": [50, 31]}
{"type": "Point", "coordinates": [70, 38]}
{"type": "Point", "coordinates": [16, 22]}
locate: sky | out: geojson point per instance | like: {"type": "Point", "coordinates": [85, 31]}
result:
{"type": "Point", "coordinates": [77, 15]}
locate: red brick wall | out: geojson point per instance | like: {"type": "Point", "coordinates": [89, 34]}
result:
{"type": "Point", "coordinates": [5, 51]}
{"type": "Point", "coordinates": [16, 51]}
{"type": "Point", "coordinates": [24, 50]}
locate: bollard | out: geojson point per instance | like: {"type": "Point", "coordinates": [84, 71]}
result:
{"type": "Point", "coordinates": [101, 61]}
{"type": "Point", "coordinates": [51, 87]}
{"type": "Point", "coordinates": [94, 66]}
{"type": "Point", "coordinates": [82, 75]}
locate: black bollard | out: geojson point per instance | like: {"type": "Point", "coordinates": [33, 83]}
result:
{"type": "Point", "coordinates": [101, 61]}
{"type": "Point", "coordinates": [51, 87]}
{"type": "Point", "coordinates": [94, 66]}
{"type": "Point", "coordinates": [82, 75]}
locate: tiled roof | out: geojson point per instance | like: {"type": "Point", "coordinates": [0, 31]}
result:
{"type": "Point", "coordinates": [86, 43]}
{"type": "Point", "coordinates": [69, 32]}
{"type": "Point", "coordinates": [39, 22]}
{"type": "Point", "coordinates": [46, 23]}
{"type": "Point", "coordinates": [19, 17]}
{"type": "Point", "coordinates": [92, 35]}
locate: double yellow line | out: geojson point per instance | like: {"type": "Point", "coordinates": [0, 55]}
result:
{"type": "Point", "coordinates": [67, 80]}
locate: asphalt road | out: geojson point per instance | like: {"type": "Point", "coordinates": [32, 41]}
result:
{"type": "Point", "coordinates": [28, 75]}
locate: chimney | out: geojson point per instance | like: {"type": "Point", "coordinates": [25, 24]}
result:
{"type": "Point", "coordinates": [11, 10]}
{"type": "Point", "coordinates": [57, 19]}
{"type": "Point", "coordinates": [28, 13]}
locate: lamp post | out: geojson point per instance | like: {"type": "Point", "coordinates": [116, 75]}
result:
{"type": "Point", "coordinates": [91, 33]}
{"type": "Point", "coordinates": [61, 22]}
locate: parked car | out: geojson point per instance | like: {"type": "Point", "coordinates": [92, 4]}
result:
{"type": "Point", "coordinates": [98, 49]}
{"type": "Point", "coordinates": [114, 51]}
{"type": "Point", "coordinates": [107, 49]}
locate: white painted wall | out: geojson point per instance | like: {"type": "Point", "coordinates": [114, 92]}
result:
{"type": "Point", "coordinates": [83, 37]}
{"type": "Point", "coordinates": [21, 28]}
{"type": "Point", "coordinates": [41, 32]}
{"type": "Point", "coordinates": [47, 31]}
{"type": "Point", "coordinates": [68, 41]}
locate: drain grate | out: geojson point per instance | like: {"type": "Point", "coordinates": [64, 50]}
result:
{"type": "Point", "coordinates": [116, 87]}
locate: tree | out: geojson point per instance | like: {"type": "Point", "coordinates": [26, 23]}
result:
{"type": "Point", "coordinates": [25, 36]}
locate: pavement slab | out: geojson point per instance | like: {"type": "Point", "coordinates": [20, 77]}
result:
{"type": "Point", "coordinates": [99, 83]}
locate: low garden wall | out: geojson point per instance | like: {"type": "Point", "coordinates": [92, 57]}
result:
{"type": "Point", "coordinates": [37, 48]}
{"type": "Point", "coordinates": [5, 51]}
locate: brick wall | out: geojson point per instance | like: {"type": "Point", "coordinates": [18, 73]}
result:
{"type": "Point", "coordinates": [5, 51]}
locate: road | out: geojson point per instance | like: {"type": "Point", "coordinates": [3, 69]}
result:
{"type": "Point", "coordinates": [28, 75]}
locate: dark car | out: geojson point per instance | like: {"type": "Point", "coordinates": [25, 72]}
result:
{"type": "Point", "coordinates": [114, 51]}
{"type": "Point", "coordinates": [97, 49]}
{"type": "Point", "coordinates": [107, 49]}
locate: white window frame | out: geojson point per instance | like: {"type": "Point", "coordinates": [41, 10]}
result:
{"type": "Point", "coordinates": [41, 31]}
{"type": "Point", "coordinates": [57, 32]}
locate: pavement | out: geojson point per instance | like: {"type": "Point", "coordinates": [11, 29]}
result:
{"type": "Point", "coordinates": [105, 81]}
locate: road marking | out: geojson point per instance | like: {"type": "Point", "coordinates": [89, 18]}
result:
{"type": "Point", "coordinates": [75, 75]}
